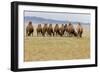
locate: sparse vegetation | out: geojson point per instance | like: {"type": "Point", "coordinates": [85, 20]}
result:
{"type": "Point", "coordinates": [57, 48]}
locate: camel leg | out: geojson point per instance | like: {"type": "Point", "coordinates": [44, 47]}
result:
{"type": "Point", "coordinates": [32, 34]}
{"type": "Point", "coordinates": [43, 34]}
{"type": "Point", "coordinates": [28, 34]}
{"type": "Point", "coordinates": [37, 33]}
{"type": "Point", "coordinates": [53, 33]}
{"type": "Point", "coordinates": [80, 34]}
{"type": "Point", "coordinates": [56, 33]}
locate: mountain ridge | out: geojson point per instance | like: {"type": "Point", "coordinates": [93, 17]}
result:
{"type": "Point", "coordinates": [40, 20]}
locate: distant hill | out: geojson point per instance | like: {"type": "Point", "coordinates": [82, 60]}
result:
{"type": "Point", "coordinates": [40, 20]}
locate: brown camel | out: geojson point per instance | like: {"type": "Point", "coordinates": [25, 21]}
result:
{"type": "Point", "coordinates": [39, 29]}
{"type": "Point", "coordinates": [50, 30]}
{"type": "Point", "coordinates": [56, 30]}
{"type": "Point", "coordinates": [44, 29]}
{"type": "Point", "coordinates": [62, 30]}
{"type": "Point", "coordinates": [29, 29]}
{"type": "Point", "coordinates": [79, 29]}
{"type": "Point", "coordinates": [71, 30]}
{"type": "Point", "coordinates": [66, 29]}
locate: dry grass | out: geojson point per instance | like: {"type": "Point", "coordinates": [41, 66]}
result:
{"type": "Point", "coordinates": [57, 48]}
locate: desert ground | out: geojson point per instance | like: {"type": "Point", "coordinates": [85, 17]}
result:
{"type": "Point", "coordinates": [57, 48]}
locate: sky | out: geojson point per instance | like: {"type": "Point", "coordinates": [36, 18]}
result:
{"type": "Point", "coordinates": [75, 17]}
